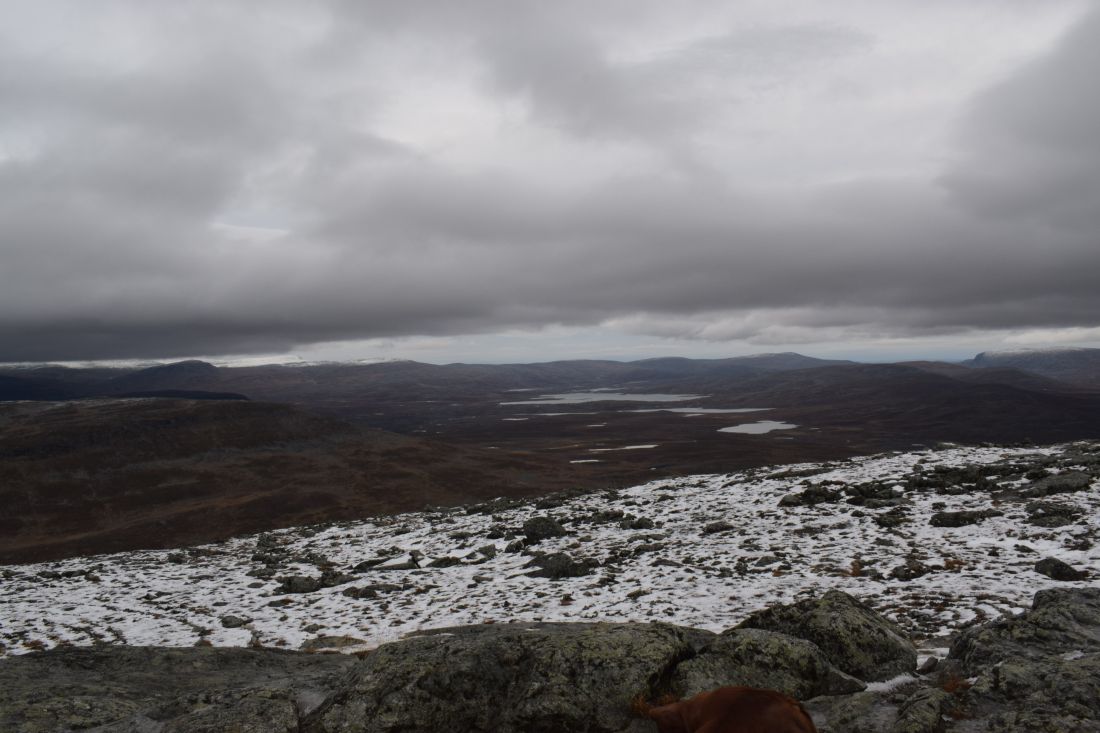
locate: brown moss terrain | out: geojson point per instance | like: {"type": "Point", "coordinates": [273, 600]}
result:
{"type": "Point", "coordinates": [354, 440]}
{"type": "Point", "coordinates": [107, 475]}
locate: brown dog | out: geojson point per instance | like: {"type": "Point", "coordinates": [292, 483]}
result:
{"type": "Point", "coordinates": [733, 710]}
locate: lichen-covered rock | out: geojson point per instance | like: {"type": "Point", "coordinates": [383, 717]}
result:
{"type": "Point", "coordinates": [853, 637]}
{"type": "Point", "coordinates": [757, 658]}
{"type": "Point", "coordinates": [1061, 621]}
{"type": "Point", "coordinates": [922, 712]}
{"type": "Point", "coordinates": [510, 678]}
{"type": "Point", "coordinates": [120, 688]}
{"type": "Point", "coordinates": [862, 712]}
{"type": "Point", "coordinates": [1039, 671]}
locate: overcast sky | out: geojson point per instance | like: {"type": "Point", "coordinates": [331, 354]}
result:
{"type": "Point", "coordinates": [519, 180]}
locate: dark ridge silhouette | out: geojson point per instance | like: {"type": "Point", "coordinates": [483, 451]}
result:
{"type": "Point", "coordinates": [185, 394]}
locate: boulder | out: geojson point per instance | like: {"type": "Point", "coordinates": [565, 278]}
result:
{"type": "Point", "coordinates": [853, 637]}
{"type": "Point", "coordinates": [542, 528]}
{"type": "Point", "coordinates": [230, 621]}
{"type": "Point", "coordinates": [559, 565]}
{"type": "Point", "coordinates": [757, 658]}
{"type": "Point", "coordinates": [893, 518]}
{"type": "Point", "coordinates": [1052, 514]}
{"type": "Point", "coordinates": [508, 678]}
{"type": "Point", "coordinates": [719, 526]}
{"type": "Point", "coordinates": [1055, 569]}
{"type": "Point", "coordinates": [811, 496]}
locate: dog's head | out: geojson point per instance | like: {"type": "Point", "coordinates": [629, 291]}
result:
{"type": "Point", "coordinates": [668, 718]}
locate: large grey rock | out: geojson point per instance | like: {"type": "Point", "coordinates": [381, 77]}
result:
{"type": "Point", "coordinates": [511, 678]}
{"type": "Point", "coordinates": [1039, 671]}
{"type": "Point", "coordinates": [1061, 621]}
{"type": "Point", "coordinates": [757, 658]}
{"type": "Point", "coordinates": [853, 637]}
{"type": "Point", "coordinates": [157, 690]}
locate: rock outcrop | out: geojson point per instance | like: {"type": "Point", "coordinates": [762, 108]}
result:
{"type": "Point", "coordinates": [511, 678]}
{"type": "Point", "coordinates": [162, 690]}
{"type": "Point", "coordinates": [853, 637]}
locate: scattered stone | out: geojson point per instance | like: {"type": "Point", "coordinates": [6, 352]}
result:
{"type": "Point", "coordinates": [1062, 483]}
{"type": "Point", "coordinates": [367, 565]}
{"type": "Point", "coordinates": [560, 565]}
{"type": "Point", "coordinates": [719, 526]}
{"type": "Point", "coordinates": [1055, 569]}
{"type": "Point", "coordinates": [637, 523]}
{"type": "Point", "coordinates": [604, 516]}
{"type": "Point", "coordinates": [1052, 514]}
{"type": "Point", "coordinates": [962, 518]}
{"type": "Point", "coordinates": [542, 528]}
{"type": "Point", "coordinates": [892, 518]}
{"type": "Point", "coordinates": [230, 621]}
{"type": "Point", "coordinates": [912, 568]}
{"type": "Point", "coordinates": [374, 590]}
{"type": "Point", "coordinates": [298, 584]}
{"type": "Point", "coordinates": [811, 497]}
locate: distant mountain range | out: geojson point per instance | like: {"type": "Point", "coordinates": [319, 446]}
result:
{"type": "Point", "coordinates": [210, 451]}
{"type": "Point", "coordinates": [1061, 369]}
{"type": "Point", "coordinates": [1073, 366]}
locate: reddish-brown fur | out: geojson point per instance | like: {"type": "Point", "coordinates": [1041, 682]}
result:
{"type": "Point", "coordinates": [734, 710]}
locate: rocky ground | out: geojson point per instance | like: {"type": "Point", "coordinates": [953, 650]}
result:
{"type": "Point", "coordinates": [1036, 672]}
{"type": "Point", "coordinates": [571, 612]}
{"type": "Point", "coordinates": [936, 541]}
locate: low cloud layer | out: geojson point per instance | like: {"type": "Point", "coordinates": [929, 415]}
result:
{"type": "Point", "coordinates": [203, 179]}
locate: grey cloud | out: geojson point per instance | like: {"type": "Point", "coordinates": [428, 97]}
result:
{"type": "Point", "coordinates": [1031, 145]}
{"type": "Point", "coordinates": [107, 219]}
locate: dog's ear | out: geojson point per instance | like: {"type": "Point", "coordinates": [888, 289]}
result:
{"type": "Point", "coordinates": [668, 719]}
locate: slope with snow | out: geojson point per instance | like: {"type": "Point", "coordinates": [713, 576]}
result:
{"type": "Point", "coordinates": [701, 551]}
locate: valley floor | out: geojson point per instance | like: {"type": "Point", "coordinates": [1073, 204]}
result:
{"type": "Point", "coordinates": [702, 551]}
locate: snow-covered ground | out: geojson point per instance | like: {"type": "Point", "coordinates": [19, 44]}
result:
{"type": "Point", "coordinates": [701, 551]}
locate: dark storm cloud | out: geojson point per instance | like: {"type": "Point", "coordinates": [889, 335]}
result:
{"type": "Point", "coordinates": [223, 183]}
